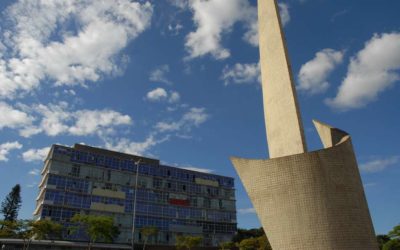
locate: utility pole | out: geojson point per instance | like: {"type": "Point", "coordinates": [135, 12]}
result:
{"type": "Point", "coordinates": [134, 204]}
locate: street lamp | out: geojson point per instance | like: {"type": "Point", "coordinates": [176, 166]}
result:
{"type": "Point", "coordinates": [134, 204]}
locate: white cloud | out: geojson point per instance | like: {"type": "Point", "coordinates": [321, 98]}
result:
{"type": "Point", "coordinates": [41, 46]}
{"type": "Point", "coordinates": [251, 35]}
{"type": "Point", "coordinates": [247, 210]}
{"type": "Point", "coordinates": [13, 118]}
{"type": "Point", "coordinates": [202, 170]}
{"type": "Point", "coordinates": [175, 29]}
{"type": "Point", "coordinates": [379, 164]}
{"type": "Point", "coordinates": [56, 119]}
{"type": "Point", "coordinates": [138, 148]}
{"type": "Point", "coordinates": [5, 149]}
{"type": "Point", "coordinates": [373, 70]}
{"type": "Point", "coordinates": [193, 118]}
{"type": "Point", "coordinates": [213, 18]}
{"type": "Point", "coordinates": [241, 73]}
{"type": "Point", "coordinates": [33, 154]}
{"type": "Point", "coordinates": [182, 4]}
{"type": "Point", "coordinates": [174, 97]}
{"type": "Point", "coordinates": [91, 121]}
{"type": "Point", "coordinates": [34, 171]}
{"type": "Point", "coordinates": [159, 74]}
{"type": "Point", "coordinates": [284, 13]}
{"type": "Point", "coordinates": [160, 94]}
{"type": "Point", "coordinates": [314, 73]}
{"type": "Point", "coordinates": [157, 94]}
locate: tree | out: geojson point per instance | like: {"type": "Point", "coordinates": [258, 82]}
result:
{"type": "Point", "coordinates": [382, 239]}
{"type": "Point", "coordinates": [21, 229]}
{"type": "Point", "coordinates": [394, 242]}
{"type": "Point", "coordinates": [247, 233]}
{"type": "Point", "coordinates": [11, 204]}
{"type": "Point", "coordinates": [96, 227]}
{"type": "Point", "coordinates": [392, 245]}
{"type": "Point", "coordinates": [147, 232]}
{"type": "Point", "coordinates": [263, 243]}
{"type": "Point", "coordinates": [249, 244]}
{"type": "Point", "coordinates": [8, 229]}
{"type": "Point", "coordinates": [226, 245]}
{"type": "Point", "coordinates": [395, 233]}
{"type": "Point", "coordinates": [46, 230]}
{"type": "Point", "coordinates": [187, 242]}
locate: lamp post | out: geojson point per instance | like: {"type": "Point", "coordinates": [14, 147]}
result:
{"type": "Point", "coordinates": [134, 204]}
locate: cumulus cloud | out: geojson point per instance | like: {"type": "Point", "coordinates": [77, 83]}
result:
{"type": "Point", "coordinates": [212, 19]}
{"type": "Point", "coordinates": [131, 147]}
{"type": "Point", "coordinates": [174, 97]}
{"type": "Point", "coordinates": [313, 74]}
{"type": "Point", "coordinates": [42, 46]}
{"type": "Point", "coordinates": [157, 94]}
{"type": "Point", "coordinates": [90, 121]}
{"type": "Point", "coordinates": [379, 164]}
{"type": "Point", "coordinates": [182, 4]}
{"type": "Point", "coordinates": [160, 94]}
{"type": "Point", "coordinates": [56, 119]}
{"type": "Point", "coordinates": [241, 73]}
{"type": "Point", "coordinates": [13, 118]}
{"type": "Point", "coordinates": [6, 148]}
{"type": "Point", "coordinates": [35, 154]}
{"type": "Point", "coordinates": [159, 74]}
{"type": "Point", "coordinates": [373, 70]}
{"type": "Point", "coordinates": [193, 118]}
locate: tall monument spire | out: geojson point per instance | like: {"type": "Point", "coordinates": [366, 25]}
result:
{"type": "Point", "coordinates": [282, 117]}
{"type": "Point", "coordinates": [304, 200]}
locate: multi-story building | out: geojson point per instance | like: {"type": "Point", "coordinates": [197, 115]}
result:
{"type": "Point", "coordinates": [88, 180]}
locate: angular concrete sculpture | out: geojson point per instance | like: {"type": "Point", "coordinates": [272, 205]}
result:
{"type": "Point", "coordinates": [304, 200]}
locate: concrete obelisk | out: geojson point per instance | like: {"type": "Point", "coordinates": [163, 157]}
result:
{"type": "Point", "coordinates": [304, 200]}
{"type": "Point", "coordinates": [281, 112]}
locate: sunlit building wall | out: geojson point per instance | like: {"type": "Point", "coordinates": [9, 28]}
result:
{"type": "Point", "coordinates": [88, 180]}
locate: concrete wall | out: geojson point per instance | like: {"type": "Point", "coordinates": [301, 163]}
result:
{"type": "Point", "coordinates": [311, 201]}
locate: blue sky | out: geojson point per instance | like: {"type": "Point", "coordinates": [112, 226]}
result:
{"type": "Point", "coordinates": [178, 80]}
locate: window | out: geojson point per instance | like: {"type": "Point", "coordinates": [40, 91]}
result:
{"type": "Point", "coordinates": [75, 170]}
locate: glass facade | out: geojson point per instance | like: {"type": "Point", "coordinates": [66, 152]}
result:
{"type": "Point", "coordinates": [90, 180]}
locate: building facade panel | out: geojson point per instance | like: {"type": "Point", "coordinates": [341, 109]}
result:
{"type": "Point", "coordinates": [90, 180]}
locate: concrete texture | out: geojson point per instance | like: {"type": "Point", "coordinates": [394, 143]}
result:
{"type": "Point", "coordinates": [304, 200]}
{"type": "Point", "coordinates": [311, 201]}
{"type": "Point", "coordinates": [282, 117]}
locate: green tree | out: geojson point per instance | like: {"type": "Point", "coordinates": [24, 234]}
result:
{"type": "Point", "coordinates": [147, 232]}
{"type": "Point", "coordinates": [226, 245]}
{"type": "Point", "coordinates": [263, 243]}
{"type": "Point", "coordinates": [97, 228]}
{"type": "Point", "coordinates": [187, 241]}
{"type": "Point", "coordinates": [249, 244]}
{"type": "Point", "coordinates": [11, 204]}
{"type": "Point", "coordinates": [247, 233]}
{"type": "Point", "coordinates": [46, 230]}
{"type": "Point", "coordinates": [382, 239]}
{"type": "Point", "coordinates": [8, 229]}
{"type": "Point", "coordinates": [392, 245]}
{"type": "Point", "coordinates": [395, 233]}
{"type": "Point", "coordinates": [21, 229]}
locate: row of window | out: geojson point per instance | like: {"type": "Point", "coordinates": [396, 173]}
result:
{"type": "Point", "coordinates": [128, 165]}
{"type": "Point", "coordinates": [65, 214]}
{"type": "Point", "coordinates": [71, 184]}
{"type": "Point", "coordinates": [82, 186]}
{"type": "Point", "coordinates": [84, 201]}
